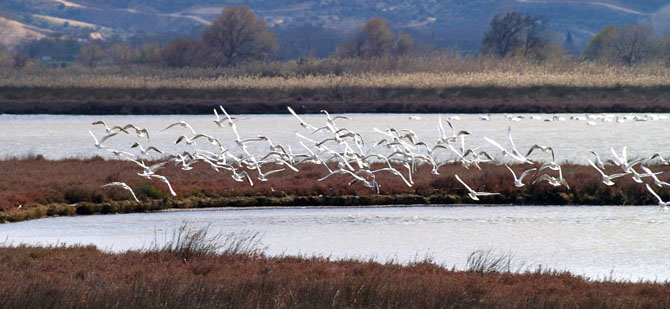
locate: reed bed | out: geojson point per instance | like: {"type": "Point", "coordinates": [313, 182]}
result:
{"type": "Point", "coordinates": [408, 84]}
{"type": "Point", "coordinates": [333, 78]}
{"type": "Point", "coordinates": [38, 277]}
{"type": "Point", "coordinates": [531, 76]}
{"type": "Point", "coordinates": [69, 187]}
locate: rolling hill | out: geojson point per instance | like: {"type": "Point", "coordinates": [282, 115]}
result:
{"type": "Point", "coordinates": [441, 22]}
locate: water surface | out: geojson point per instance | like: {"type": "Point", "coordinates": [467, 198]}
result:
{"type": "Point", "coordinates": [628, 243]}
{"type": "Point", "coordinates": [58, 137]}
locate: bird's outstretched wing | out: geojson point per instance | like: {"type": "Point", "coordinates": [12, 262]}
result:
{"type": "Point", "coordinates": [463, 183]}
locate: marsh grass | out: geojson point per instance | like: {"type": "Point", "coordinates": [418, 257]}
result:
{"type": "Point", "coordinates": [188, 241]}
{"type": "Point", "coordinates": [485, 261]}
{"type": "Point", "coordinates": [407, 84]}
{"type": "Point", "coordinates": [415, 72]}
{"type": "Point", "coordinates": [56, 188]}
{"type": "Point", "coordinates": [84, 277]}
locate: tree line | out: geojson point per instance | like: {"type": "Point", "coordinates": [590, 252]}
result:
{"type": "Point", "coordinates": [238, 36]}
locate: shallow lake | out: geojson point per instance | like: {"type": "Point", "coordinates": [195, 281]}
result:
{"type": "Point", "coordinates": [629, 243]}
{"type": "Point", "coordinates": [58, 137]}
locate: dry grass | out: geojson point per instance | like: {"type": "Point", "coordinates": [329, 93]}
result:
{"type": "Point", "coordinates": [35, 277]}
{"type": "Point", "coordinates": [505, 75]}
{"type": "Point", "coordinates": [427, 75]}
{"type": "Point", "coordinates": [439, 83]}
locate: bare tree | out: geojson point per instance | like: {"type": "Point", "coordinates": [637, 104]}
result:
{"type": "Point", "coordinates": [631, 43]}
{"type": "Point", "coordinates": [238, 36]}
{"type": "Point", "coordinates": [514, 32]}
{"type": "Point", "coordinates": [149, 53]}
{"type": "Point", "coordinates": [404, 44]}
{"type": "Point", "coordinates": [121, 54]}
{"type": "Point", "coordinates": [375, 39]}
{"type": "Point", "coordinates": [186, 53]}
{"type": "Point", "coordinates": [598, 46]}
{"type": "Point", "coordinates": [90, 55]}
{"type": "Point", "coordinates": [627, 44]}
{"type": "Point", "coordinates": [20, 59]}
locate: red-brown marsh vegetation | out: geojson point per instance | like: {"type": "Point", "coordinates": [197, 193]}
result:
{"type": "Point", "coordinates": [39, 277]}
{"type": "Point", "coordinates": [197, 102]}
{"type": "Point", "coordinates": [66, 187]}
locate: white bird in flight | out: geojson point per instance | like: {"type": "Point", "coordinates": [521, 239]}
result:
{"type": "Point", "coordinates": [661, 203]}
{"type": "Point", "coordinates": [653, 176]}
{"type": "Point", "coordinates": [124, 186]}
{"type": "Point", "coordinates": [99, 144]}
{"type": "Point", "coordinates": [474, 195]}
{"type": "Point", "coordinates": [606, 179]}
{"type": "Point", "coordinates": [108, 129]}
{"type": "Point", "coordinates": [302, 122]}
{"type": "Point", "coordinates": [183, 124]}
{"type": "Point", "coordinates": [141, 132]}
{"type": "Point", "coordinates": [146, 151]}
{"type": "Point", "coordinates": [165, 180]}
{"type": "Point", "coordinates": [518, 182]}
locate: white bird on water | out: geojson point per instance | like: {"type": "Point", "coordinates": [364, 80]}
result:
{"type": "Point", "coordinates": [124, 186]}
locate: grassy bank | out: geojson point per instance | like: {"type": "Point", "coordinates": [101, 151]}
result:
{"type": "Point", "coordinates": [388, 85]}
{"type": "Point", "coordinates": [69, 187]}
{"type": "Point", "coordinates": [193, 275]}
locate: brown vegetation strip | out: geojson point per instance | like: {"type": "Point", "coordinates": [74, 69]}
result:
{"type": "Point", "coordinates": [445, 83]}
{"type": "Point", "coordinates": [69, 187]}
{"type": "Point", "coordinates": [85, 277]}
{"type": "Point", "coordinates": [534, 101]}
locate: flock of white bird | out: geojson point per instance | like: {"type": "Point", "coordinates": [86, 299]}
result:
{"type": "Point", "coordinates": [398, 152]}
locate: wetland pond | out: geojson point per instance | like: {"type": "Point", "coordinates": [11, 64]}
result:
{"type": "Point", "coordinates": [623, 243]}
{"type": "Point", "coordinates": [63, 136]}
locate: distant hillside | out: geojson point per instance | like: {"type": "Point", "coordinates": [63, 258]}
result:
{"type": "Point", "coordinates": [441, 22]}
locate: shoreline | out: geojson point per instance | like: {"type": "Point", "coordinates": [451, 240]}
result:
{"type": "Point", "coordinates": [190, 205]}
{"type": "Point", "coordinates": [391, 206]}
{"type": "Point", "coordinates": [261, 106]}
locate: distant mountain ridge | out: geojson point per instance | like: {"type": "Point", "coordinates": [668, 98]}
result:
{"type": "Point", "coordinates": [441, 22]}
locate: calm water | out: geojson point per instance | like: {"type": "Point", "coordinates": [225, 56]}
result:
{"type": "Point", "coordinates": [67, 136]}
{"type": "Point", "coordinates": [626, 242]}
